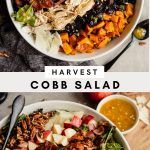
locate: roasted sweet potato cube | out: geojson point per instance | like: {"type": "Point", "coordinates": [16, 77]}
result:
{"type": "Point", "coordinates": [94, 38]}
{"type": "Point", "coordinates": [73, 40]}
{"type": "Point", "coordinates": [111, 34]}
{"type": "Point", "coordinates": [117, 33]}
{"type": "Point", "coordinates": [99, 25]}
{"type": "Point", "coordinates": [129, 10]}
{"type": "Point", "coordinates": [85, 41]}
{"type": "Point", "coordinates": [73, 52]}
{"type": "Point", "coordinates": [88, 29]}
{"type": "Point", "coordinates": [83, 48]}
{"type": "Point", "coordinates": [101, 32]}
{"type": "Point", "coordinates": [90, 51]}
{"type": "Point", "coordinates": [120, 14]}
{"type": "Point", "coordinates": [121, 24]}
{"type": "Point", "coordinates": [64, 37]}
{"type": "Point", "coordinates": [115, 18]}
{"type": "Point", "coordinates": [67, 48]}
{"type": "Point", "coordinates": [104, 42]}
{"type": "Point", "coordinates": [106, 17]}
{"type": "Point", "coordinates": [109, 27]}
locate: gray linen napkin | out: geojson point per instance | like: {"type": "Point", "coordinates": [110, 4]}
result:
{"type": "Point", "coordinates": [22, 57]}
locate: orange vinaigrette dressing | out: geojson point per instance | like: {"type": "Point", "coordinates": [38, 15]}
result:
{"type": "Point", "coordinates": [120, 112]}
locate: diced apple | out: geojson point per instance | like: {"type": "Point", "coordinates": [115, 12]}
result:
{"type": "Point", "coordinates": [57, 138]}
{"type": "Point", "coordinates": [67, 124]}
{"type": "Point", "coordinates": [64, 141]}
{"type": "Point", "coordinates": [79, 114]}
{"type": "Point", "coordinates": [92, 124]}
{"type": "Point", "coordinates": [39, 140]}
{"type": "Point", "coordinates": [76, 121]}
{"type": "Point", "coordinates": [32, 146]}
{"type": "Point", "coordinates": [69, 132]}
{"type": "Point", "coordinates": [57, 129]}
{"type": "Point", "coordinates": [47, 135]}
{"type": "Point", "coordinates": [23, 145]}
{"type": "Point", "coordinates": [87, 118]}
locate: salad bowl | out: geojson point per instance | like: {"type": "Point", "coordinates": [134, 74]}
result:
{"type": "Point", "coordinates": [105, 54]}
{"type": "Point", "coordinates": [48, 106]}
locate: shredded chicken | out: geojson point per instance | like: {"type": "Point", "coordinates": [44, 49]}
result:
{"type": "Point", "coordinates": [60, 15]}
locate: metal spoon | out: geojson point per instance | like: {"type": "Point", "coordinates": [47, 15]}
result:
{"type": "Point", "coordinates": [17, 107]}
{"type": "Point", "coordinates": [3, 97]}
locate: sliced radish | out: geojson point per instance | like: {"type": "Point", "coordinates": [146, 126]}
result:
{"type": "Point", "coordinates": [92, 124]}
{"type": "Point", "coordinates": [63, 132]}
{"type": "Point", "coordinates": [87, 118]}
{"type": "Point", "coordinates": [47, 135]}
{"type": "Point", "coordinates": [76, 121]}
{"type": "Point", "coordinates": [69, 132]}
{"type": "Point", "coordinates": [67, 124]}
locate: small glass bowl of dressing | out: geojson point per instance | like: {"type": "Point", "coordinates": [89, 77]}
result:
{"type": "Point", "coordinates": [120, 110]}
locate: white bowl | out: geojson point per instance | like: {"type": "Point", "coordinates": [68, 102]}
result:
{"type": "Point", "coordinates": [70, 106]}
{"type": "Point", "coordinates": [124, 98]}
{"type": "Point", "coordinates": [105, 54]}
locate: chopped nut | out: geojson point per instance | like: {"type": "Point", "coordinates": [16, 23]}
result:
{"type": "Point", "coordinates": [4, 54]}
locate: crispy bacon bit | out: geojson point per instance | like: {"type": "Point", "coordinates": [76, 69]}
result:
{"type": "Point", "coordinates": [40, 4]}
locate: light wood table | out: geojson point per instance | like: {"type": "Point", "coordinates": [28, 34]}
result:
{"type": "Point", "coordinates": [139, 139]}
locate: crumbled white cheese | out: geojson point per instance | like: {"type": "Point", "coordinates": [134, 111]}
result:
{"type": "Point", "coordinates": [56, 43]}
{"type": "Point", "coordinates": [144, 112]}
{"type": "Point", "coordinates": [47, 41]}
{"type": "Point", "coordinates": [43, 39]}
{"type": "Point", "coordinates": [145, 115]}
{"type": "Point", "coordinates": [141, 100]}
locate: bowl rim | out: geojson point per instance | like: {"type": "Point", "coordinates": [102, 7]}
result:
{"type": "Point", "coordinates": [9, 5]}
{"type": "Point", "coordinates": [124, 98]}
{"type": "Point", "coordinates": [62, 102]}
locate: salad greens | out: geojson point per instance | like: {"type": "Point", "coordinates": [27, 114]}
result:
{"type": "Point", "coordinates": [25, 15]}
{"type": "Point", "coordinates": [113, 146]}
{"type": "Point", "coordinates": [109, 142]}
{"type": "Point", "coordinates": [22, 117]}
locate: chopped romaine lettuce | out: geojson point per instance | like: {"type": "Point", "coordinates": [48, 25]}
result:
{"type": "Point", "coordinates": [113, 146]}
{"type": "Point", "coordinates": [25, 15]}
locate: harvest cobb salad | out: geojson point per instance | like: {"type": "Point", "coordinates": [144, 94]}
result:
{"type": "Point", "coordinates": [60, 130]}
{"type": "Point", "coordinates": [73, 26]}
